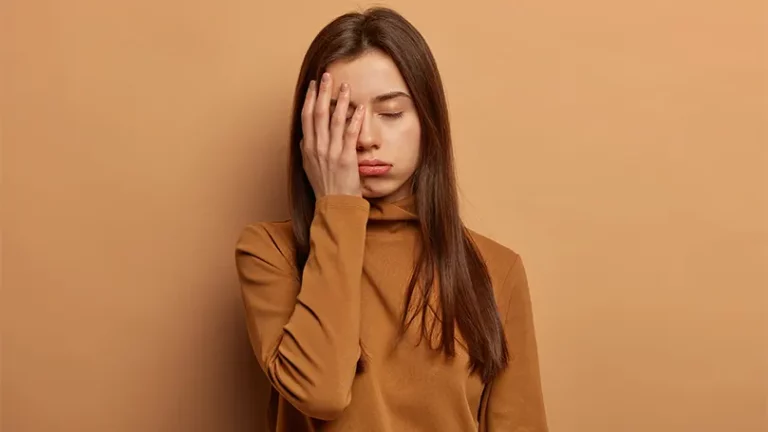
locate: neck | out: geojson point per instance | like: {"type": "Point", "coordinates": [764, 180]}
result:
{"type": "Point", "coordinates": [403, 209]}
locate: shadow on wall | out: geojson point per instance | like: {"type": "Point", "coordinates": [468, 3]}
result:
{"type": "Point", "coordinates": [261, 185]}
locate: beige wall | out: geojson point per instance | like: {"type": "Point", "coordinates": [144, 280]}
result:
{"type": "Point", "coordinates": [619, 146]}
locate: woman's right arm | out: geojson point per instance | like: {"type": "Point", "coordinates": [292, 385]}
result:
{"type": "Point", "coordinates": [306, 334]}
{"type": "Point", "coordinates": [306, 331]}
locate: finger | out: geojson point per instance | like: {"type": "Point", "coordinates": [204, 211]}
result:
{"type": "Point", "coordinates": [321, 116]}
{"type": "Point", "coordinates": [307, 116]}
{"type": "Point", "coordinates": [352, 133]}
{"type": "Point", "coordinates": [339, 121]}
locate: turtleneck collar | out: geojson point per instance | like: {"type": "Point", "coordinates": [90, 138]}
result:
{"type": "Point", "coordinates": [400, 210]}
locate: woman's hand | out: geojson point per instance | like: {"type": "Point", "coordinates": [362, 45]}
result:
{"type": "Point", "coordinates": [329, 146]}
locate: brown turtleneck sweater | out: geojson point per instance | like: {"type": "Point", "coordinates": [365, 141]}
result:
{"type": "Point", "coordinates": [308, 335]}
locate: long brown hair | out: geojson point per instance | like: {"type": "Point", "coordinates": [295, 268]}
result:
{"type": "Point", "coordinates": [465, 295]}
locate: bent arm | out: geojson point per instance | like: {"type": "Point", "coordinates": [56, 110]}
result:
{"type": "Point", "coordinates": [306, 333]}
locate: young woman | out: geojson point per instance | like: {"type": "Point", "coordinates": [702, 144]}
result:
{"type": "Point", "coordinates": [374, 308]}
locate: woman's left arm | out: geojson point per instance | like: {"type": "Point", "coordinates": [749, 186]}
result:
{"type": "Point", "coordinates": [513, 401]}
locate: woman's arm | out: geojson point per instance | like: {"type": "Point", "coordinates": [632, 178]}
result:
{"type": "Point", "coordinates": [306, 334]}
{"type": "Point", "coordinates": [513, 402]}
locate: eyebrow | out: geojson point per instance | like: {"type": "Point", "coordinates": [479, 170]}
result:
{"type": "Point", "coordinates": [378, 99]}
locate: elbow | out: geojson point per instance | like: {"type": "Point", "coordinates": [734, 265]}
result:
{"type": "Point", "coordinates": [321, 393]}
{"type": "Point", "coordinates": [324, 405]}
{"type": "Point", "coordinates": [321, 398]}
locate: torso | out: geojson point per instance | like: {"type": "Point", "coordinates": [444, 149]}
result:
{"type": "Point", "coordinates": [405, 385]}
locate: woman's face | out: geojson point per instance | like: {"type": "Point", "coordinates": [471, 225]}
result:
{"type": "Point", "coordinates": [390, 133]}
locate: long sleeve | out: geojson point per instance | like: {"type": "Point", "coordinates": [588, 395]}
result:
{"type": "Point", "coordinates": [514, 401]}
{"type": "Point", "coordinates": [306, 333]}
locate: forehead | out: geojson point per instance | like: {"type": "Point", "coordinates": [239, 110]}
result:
{"type": "Point", "coordinates": [369, 75]}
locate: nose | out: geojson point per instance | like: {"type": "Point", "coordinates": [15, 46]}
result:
{"type": "Point", "coordinates": [369, 137]}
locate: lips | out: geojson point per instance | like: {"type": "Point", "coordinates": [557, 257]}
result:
{"type": "Point", "coordinates": [373, 167]}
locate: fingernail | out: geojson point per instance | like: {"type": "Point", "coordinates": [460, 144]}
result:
{"type": "Point", "coordinates": [312, 85]}
{"type": "Point", "coordinates": [326, 77]}
{"type": "Point", "coordinates": [344, 87]}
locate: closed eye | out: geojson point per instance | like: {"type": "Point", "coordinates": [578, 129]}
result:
{"type": "Point", "coordinates": [392, 115]}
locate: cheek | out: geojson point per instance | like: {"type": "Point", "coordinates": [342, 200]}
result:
{"type": "Point", "coordinates": [405, 142]}
{"type": "Point", "coordinates": [414, 144]}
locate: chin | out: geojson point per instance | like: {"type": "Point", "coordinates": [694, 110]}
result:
{"type": "Point", "coordinates": [375, 188]}
{"type": "Point", "coordinates": [375, 194]}
{"type": "Point", "coordinates": [383, 188]}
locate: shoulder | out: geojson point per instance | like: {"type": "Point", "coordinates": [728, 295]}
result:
{"type": "Point", "coordinates": [504, 265]}
{"type": "Point", "coordinates": [269, 241]}
{"type": "Point", "coordinates": [498, 258]}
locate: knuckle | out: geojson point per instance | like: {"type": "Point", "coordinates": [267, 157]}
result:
{"type": "Point", "coordinates": [338, 121]}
